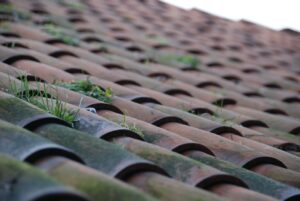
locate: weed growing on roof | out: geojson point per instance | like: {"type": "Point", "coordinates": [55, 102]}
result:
{"type": "Point", "coordinates": [218, 118]}
{"type": "Point", "coordinates": [57, 108]}
{"type": "Point", "coordinates": [216, 114]}
{"type": "Point", "coordinates": [51, 105]}
{"type": "Point", "coordinates": [131, 127]}
{"type": "Point", "coordinates": [61, 34]}
{"type": "Point", "coordinates": [16, 14]}
{"type": "Point", "coordinates": [189, 60]}
{"type": "Point", "coordinates": [87, 88]}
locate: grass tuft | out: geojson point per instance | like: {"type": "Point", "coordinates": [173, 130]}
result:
{"type": "Point", "coordinates": [131, 127]}
{"type": "Point", "coordinates": [87, 88]}
{"type": "Point", "coordinates": [53, 106]}
{"type": "Point", "coordinates": [218, 118]}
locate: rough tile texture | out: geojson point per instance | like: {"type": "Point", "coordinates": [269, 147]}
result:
{"type": "Point", "coordinates": [139, 100]}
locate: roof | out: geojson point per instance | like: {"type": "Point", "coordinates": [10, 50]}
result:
{"type": "Point", "coordinates": [141, 100]}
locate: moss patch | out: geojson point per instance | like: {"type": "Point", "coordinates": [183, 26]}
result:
{"type": "Point", "coordinates": [266, 185]}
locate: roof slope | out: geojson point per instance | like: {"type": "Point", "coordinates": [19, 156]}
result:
{"type": "Point", "coordinates": [141, 100]}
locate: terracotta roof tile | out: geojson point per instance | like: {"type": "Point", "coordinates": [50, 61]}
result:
{"type": "Point", "coordinates": [159, 103]}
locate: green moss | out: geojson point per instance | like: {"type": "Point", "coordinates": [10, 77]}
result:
{"type": "Point", "coordinates": [87, 88]}
{"type": "Point", "coordinates": [166, 189]}
{"type": "Point", "coordinates": [18, 180]}
{"type": "Point", "coordinates": [255, 181]}
{"type": "Point", "coordinates": [9, 106]}
{"type": "Point", "coordinates": [94, 151]}
{"type": "Point", "coordinates": [95, 184]}
{"type": "Point", "coordinates": [179, 167]}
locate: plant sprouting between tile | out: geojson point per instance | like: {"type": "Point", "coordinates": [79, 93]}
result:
{"type": "Point", "coordinates": [49, 104]}
{"type": "Point", "coordinates": [188, 60]}
{"type": "Point", "coordinates": [60, 33]}
{"type": "Point", "coordinates": [87, 88]}
{"type": "Point", "coordinates": [218, 118]}
{"type": "Point", "coordinates": [131, 127]}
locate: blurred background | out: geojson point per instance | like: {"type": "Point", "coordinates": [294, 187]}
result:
{"type": "Point", "coordinates": [275, 14]}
